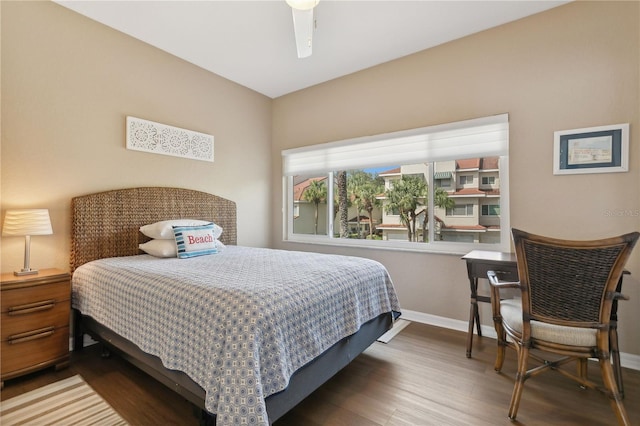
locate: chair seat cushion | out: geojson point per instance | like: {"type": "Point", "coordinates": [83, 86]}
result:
{"type": "Point", "coordinates": [511, 311]}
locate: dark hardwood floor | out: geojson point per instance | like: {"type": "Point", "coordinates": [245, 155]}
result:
{"type": "Point", "coordinates": [421, 377]}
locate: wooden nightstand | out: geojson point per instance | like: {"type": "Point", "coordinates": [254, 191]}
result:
{"type": "Point", "coordinates": [35, 322]}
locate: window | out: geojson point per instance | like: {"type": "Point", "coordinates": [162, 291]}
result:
{"type": "Point", "coordinates": [399, 190]}
{"type": "Point", "coordinates": [491, 210]}
{"type": "Point", "coordinates": [443, 183]}
{"type": "Point", "coordinates": [443, 178]}
{"type": "Point", "coordinates": [466, 180]}
{"type": "Point", "coordinates": [488, 180]}
{"type": "Point", "coordinates": [460, 210]}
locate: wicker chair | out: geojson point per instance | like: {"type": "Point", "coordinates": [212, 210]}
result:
{"type": "Point", "coordinates": [567, 289]}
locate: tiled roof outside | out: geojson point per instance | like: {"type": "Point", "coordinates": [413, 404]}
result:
{"type": "Point", "coordinates": [469, 163]}
{"type": "Point", "coordinates": [489, 163]}
{"type": "Point", "coordinates": [395, 171]}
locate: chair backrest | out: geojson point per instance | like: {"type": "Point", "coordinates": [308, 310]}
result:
{"type": "Point", "coordinates": [570, 282]}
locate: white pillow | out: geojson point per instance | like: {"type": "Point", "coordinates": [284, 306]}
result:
{"type": "Point", "coordinates": [163, 230]}
{"type": "Point", "coordinates": [160, 248]}
{"type": "Point", "coordinates": [167, 248]}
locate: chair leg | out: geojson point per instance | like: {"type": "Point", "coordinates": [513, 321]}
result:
{"type": "Point", "coordinates": [500, 356]}
{"type": "Point", "coordinates": [614, 395]}
{"type": "Point", "coordinates": [521, 376]}
{"type": "Point", "coordinates": [502, 343]}
{"type": "Point", "coordinates": [582, 368]}
{"type": "Point", "coordinates": [615, 357]}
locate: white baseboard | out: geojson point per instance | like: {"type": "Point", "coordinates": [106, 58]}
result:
{"type": "Point", "coordinates": [626, 360]}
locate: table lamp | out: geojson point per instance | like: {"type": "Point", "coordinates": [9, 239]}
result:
{"type": "Point", "coordinates": [26, 222]}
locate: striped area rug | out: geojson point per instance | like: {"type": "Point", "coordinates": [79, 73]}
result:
{"type": "Point", "coordinates": [69, 402]}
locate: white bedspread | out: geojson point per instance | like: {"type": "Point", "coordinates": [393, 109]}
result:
{"type": "Point", "coordinates": [239, 322]}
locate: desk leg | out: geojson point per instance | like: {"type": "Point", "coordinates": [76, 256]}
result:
{"type": "Point", "coordinates": [474, 315]}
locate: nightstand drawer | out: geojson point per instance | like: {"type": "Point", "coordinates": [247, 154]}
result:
{"type": "Point", "coordinates": [34, 316]}
{"type": "Point", "coordinates": [46, 345]}
{"type": "Point", "coordinates": [15, 299]}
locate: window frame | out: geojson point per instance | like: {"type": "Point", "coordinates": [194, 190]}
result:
{"type": "Point", "coordinates": [431, 246]}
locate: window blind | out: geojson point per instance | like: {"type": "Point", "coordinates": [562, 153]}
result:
{"type": "Point", "coordinates": [481, 137]}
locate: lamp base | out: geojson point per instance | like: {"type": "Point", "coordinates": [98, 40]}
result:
{"type": "Point", "coordinates": [25, 272]}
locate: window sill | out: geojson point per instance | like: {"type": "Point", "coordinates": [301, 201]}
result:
{"type": "Point", "coordinates": [458, 249]}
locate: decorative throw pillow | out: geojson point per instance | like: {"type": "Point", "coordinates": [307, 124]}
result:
{"type": "Point", "coordinates": [160, 248]}
{"type": "Point", "coordinates": [163, 230]}
{"type": "Point", "coordinates": [194, 241]}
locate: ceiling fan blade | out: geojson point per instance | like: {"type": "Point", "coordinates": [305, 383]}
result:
{"type": "Point", "coordinates": [303, 23]}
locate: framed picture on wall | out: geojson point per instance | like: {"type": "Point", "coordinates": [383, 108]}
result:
{"type": "Point", "coordinates": [603, 149]}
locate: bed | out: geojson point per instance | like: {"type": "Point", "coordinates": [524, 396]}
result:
{"type": "Point", "coordinates": [243, 350]}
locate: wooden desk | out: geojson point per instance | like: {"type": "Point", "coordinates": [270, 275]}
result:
{"type": "Point", "coordinates": [478, 263]}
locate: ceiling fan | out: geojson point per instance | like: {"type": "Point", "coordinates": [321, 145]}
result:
{"type": "Point", "coordinates": [303, 25]}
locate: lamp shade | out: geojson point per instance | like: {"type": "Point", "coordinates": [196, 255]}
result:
{"type": "Point", "coordinates": [302, 4]}
{"type": "Point", "coordinates": [26, 222]}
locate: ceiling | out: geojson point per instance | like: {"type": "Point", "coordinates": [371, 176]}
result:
{"type": "Point", "coordinates": [252, 42]}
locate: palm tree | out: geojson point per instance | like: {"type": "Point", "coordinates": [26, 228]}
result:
{"type": "Point", "coordinates": [441, 199]}
{"type": "Point", "coordinates": [364, 187]}
{"type": "Point", "coordinates": [356, 181]}
{"type": "Point", "coordinates": [407, 195]}
{"type": "Point", "coordinates": [343, 204]}
{"type": "Point", "coordinates": [405, 198]}
{"type": "Point", "coordinates": [368, 195]}
{"type": "Point", "coordinates": [315, 193]}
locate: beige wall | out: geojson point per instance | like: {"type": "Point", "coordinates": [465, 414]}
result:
{"type": "Point", "coordinates": [67, 85]}
{"type": "Point", "coordinates": [571, 67]}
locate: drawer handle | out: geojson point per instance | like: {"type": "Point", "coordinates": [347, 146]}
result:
{"type": "Point", "coordinates": [32, 307]}
{"type": "Point", "coordinates": [31, 335]}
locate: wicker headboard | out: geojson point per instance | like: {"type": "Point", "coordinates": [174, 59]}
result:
{"type": "Point", "coordinates": [106, 224]}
